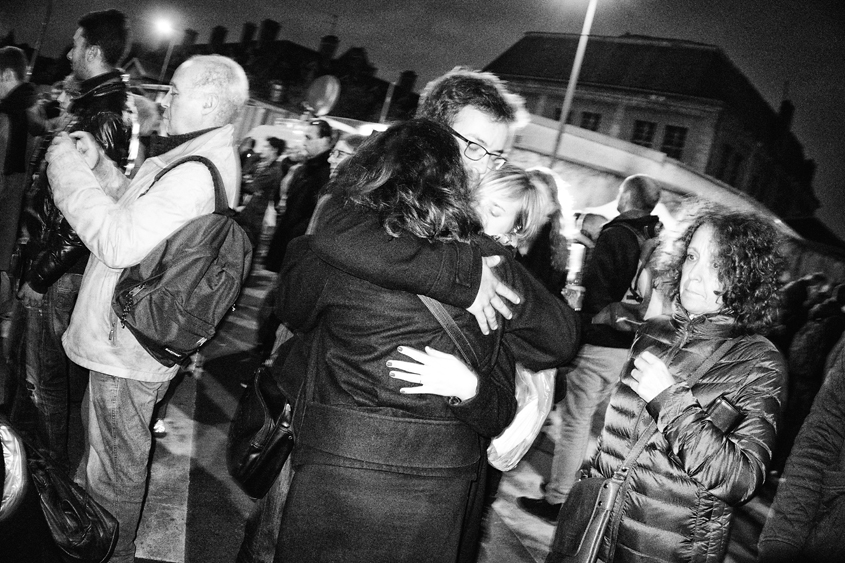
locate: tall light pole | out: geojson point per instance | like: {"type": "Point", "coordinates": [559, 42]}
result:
{"type": "Point", "coordinates": [165, 28]}
{"type": "Point", "coordinates": [573, 76]}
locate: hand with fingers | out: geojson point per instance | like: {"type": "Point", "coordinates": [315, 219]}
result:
{"type": "Point", "coordinates": [650, 376]}
{"type": "Point", "coordinates": [491, 297]}
{"type": "Point", "coordinates": [435, 373]}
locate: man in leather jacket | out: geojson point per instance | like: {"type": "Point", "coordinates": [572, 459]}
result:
{"type": "Point", "coordinates": [55, 255]}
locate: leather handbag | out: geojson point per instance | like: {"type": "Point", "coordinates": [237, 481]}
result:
{"type": "Point", "coordinates": [594, 504]}
{"type": "Point", "coordinates": [261, 436]}
{"type": "Point", "coordinates": [81, 528]}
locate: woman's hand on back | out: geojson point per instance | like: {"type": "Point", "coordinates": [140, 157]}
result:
{"type": "Point", "coordinates": [437, 373]}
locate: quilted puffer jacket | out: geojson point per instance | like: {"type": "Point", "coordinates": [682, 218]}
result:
{"type": "Point", "coordinates": [54, 248]}
{"type": "Point", "coordinates": [679, 499]}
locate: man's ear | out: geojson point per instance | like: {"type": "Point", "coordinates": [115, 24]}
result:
{"type": "Point", "coordinates": [210, 103]}
{"type": "Point", "coordinates": [93, 52]}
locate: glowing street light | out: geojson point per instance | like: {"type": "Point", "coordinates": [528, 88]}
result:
{"type": "Point", "coordinates": [573, 77]}
{"type": "Point", "coordinates": [165, 28]}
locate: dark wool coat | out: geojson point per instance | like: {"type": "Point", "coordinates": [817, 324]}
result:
{"type": "Point", "coordinates": [367, 432]}
{"type": "Point", "coordinates": [679, 502]}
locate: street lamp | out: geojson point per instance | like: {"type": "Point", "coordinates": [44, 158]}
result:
{"type": "Point", "coordinates": [573, 77]}
{"type": "Point", "coordinates": [165, 28]}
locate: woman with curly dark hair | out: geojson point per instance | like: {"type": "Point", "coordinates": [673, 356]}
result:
{"type": "Point", "coordinates": [711, 439]}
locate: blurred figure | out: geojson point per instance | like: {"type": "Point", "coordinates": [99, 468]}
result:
{"type": "Point", "coordinates": [16, 98]}
{"type": "Point", "coordinates": [711, 441]}
{"type": "Point", "coordinates": [343, 149]}
{"type": "Point", "coordinates": [808, 351]}
{"type": "Point", "coordinates": [302, 191]}
{"type": "Point", "coordinates": [262, 188]}
{"type": "Point", "coordinates": [805, 521]}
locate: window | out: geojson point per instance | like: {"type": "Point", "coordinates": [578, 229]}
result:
{"type": "Point", "coordinates": [590, 120]}
{"type": "Point", "coordinates": [558, 111]}
{"type": "Point", "coordinates": [644, 133]}
{"type": "Point", "coordinates": [674, 138]}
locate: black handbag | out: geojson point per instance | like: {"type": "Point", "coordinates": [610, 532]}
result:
{"type": "Point", "coordinates": [84, 531]}
{"type": "Point", "coordinates": [260, 436]}
{"type": "Point", "coordinates": [594, 504]}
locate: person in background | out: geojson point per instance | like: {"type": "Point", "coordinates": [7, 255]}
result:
{"type": "Point", "coordinates": [713, 439]}
{"type": "Point", "coordinates": [596, 370]}
{"type": "Point", "coordinates": [394, 489]}
{"type": "Point", "coordinates": [56, 256]}
{"type": "Point", "coordinates": [121, 226]}
{"type": "Point", "coordinates": [302, 191]}
{"type": "Point", "coordinates": [344, 148]}
{"type": "Point", "coordinates": [263, 187]}
{"type": "Point", "coordinates": [805, 520]}
{"type": "Point", "coordinates": [16, 99]}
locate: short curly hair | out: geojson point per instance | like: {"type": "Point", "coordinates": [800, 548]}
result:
{"type": "Point", "coordinates": [748, 262]}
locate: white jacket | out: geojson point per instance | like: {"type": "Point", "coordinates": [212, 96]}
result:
{"type": "Point", "coordinates": [120, 229]}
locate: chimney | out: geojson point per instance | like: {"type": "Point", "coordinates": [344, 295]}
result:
{"type": "Point", "coordinates": [218, 38]}
{"type": "Point", "coordinates": [189, 38]}
{"type": "Point", "coordinates": [787, 111]}
{"type": "Point", "coordinates": [407, 80]}
{"type": "Point", "coordinates": [328, 48]}
{"type": "Point", "coordinates": [248, 34]}
{"type": "Point", "coordinates": [269, 32]}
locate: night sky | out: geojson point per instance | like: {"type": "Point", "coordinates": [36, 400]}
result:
{"type": "Point", "coordinates": [797, 48]}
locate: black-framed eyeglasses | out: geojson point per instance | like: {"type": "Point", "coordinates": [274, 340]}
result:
{"type": "Point", "coordinates": [337, 153]}
{"type": "Point", "coordinates": [476, 152]}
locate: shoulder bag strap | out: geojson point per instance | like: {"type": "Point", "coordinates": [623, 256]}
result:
{"type": "Point", "coordinates": [221, 204]}
{"type": "Point", "coordinates": [451, 328]}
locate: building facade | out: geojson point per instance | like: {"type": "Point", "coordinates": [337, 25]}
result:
{"type": "Point", "coordinates": [685, 99]}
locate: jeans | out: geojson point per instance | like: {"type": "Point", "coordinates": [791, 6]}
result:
{"type": "Point", "coordinates": [48, 370]}
{"type": "Point", "coordinates": [593, 379]}
{"type": "Point", "coordinates": [117, 418]}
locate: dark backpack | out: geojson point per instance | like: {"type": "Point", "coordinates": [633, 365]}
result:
{"type": "Point", "coordinates": [174, 299]}
{"type": "Point", "coordinates": [630, 312]}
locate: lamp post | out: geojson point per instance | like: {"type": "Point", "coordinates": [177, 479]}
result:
{"type": "Point", "coordinates": [573, 76]}
{"type": "Point", "coordinates": [166, 29]}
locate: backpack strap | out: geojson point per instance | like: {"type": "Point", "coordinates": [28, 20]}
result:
{"type": "Point", "coordinates": [221, 204]}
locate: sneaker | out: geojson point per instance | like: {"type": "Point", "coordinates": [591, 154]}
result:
{"type": "Point", "coordinates": [159, 429]}
{"type": "Point", "coordinates": [540, 508]}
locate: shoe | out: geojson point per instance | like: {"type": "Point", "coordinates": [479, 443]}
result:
{"type": "Point", "coordinates": [159, 429]}
{"type": "Point", "coordinates": [540, 508]}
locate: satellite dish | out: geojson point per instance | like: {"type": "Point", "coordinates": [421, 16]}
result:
{"type": "Point", "coordinates": [323, 94]}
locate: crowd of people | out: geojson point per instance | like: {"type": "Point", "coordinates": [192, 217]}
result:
{"type": "Point", "coordinates": [392, 414]}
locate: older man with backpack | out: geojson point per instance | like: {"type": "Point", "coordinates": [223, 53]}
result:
{"type": "Point", "coordinates": [122, 222]}
{"type": "Point", "coordinates": [612, 272]}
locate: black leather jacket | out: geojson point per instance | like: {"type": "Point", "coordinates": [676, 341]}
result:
{"type": "Point", "coordinates": [54, 248]}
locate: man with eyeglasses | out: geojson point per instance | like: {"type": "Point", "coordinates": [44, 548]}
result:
{"type": "Point", "coordinates": [483, 115]}
{"type": "Point", "coordinates": [302, 191]}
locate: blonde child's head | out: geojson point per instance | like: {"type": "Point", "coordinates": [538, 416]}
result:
{"type": "Point", "coordinates": [513, 205]}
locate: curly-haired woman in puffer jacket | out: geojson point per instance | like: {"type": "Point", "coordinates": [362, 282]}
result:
{"type": "Point", "coordinates": [714, 439]}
